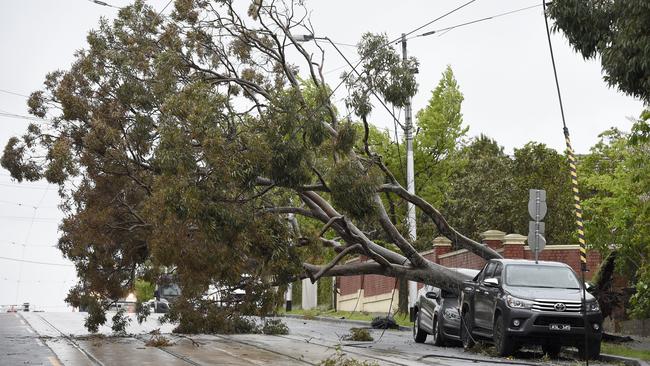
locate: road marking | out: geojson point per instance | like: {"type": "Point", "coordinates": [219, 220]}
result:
{"type": "Point", "coordinates": [54, 361]}
{"type": "Point", "coordinates": [29, 330]}
{"type": "Point", "coordinates": [38, 341]}
{"type": "Point", "coordinates": [22, 322]}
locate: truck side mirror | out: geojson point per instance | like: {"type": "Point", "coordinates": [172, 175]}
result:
{"type": "Point", "coordinates": [491, 282]}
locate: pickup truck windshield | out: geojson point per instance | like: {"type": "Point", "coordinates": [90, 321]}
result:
{"type": "Point", "coordinates": [541, 276]}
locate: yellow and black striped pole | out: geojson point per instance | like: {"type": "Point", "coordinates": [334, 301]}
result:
{"type": "Point", "coordinates": [576, 201]}
{"type": "Point", "coordinates": [576, 195]}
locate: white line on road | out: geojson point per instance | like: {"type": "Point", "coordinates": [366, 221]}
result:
{"type": "Point", "coordinates": [29, 330]}
{"type": "Point", "coordinates": [38, 341]}
{"type": "Point", "coordinates": [22, 322]}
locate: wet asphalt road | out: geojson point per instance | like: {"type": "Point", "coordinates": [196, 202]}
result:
{"type": "Point", "coordinates": [20, 345]}
{"type": "Point", "coordinates": [308, 343]}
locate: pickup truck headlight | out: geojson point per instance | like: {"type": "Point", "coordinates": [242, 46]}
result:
{"type": "Point", "coordinates": [451, 314]}
{"type": "Point", "coordinates": [593, 307]}
{"type": "Point", "coordinates": [517, 303]}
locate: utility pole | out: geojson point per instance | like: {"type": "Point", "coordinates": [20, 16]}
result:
{"type": "Point", "coordinates": [410, 184]}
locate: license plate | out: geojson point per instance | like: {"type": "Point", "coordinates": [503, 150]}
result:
{"type": "Point", "coordinates": [560, 327]}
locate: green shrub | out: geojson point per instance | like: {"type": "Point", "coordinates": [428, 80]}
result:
{"type": "Point", "coordinates": [274, 326]}
{"type": "Point", "coordinates": [359, 335]}
{"type": "Point", "coordinates": [338, 359]}
{"type": "Point", "coordinates": [311, 314]}
{"type": "Point", "coordinates": [120, 321]}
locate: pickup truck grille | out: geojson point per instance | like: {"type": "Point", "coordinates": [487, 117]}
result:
{"type": "Point", "coordinates": [557, 306]}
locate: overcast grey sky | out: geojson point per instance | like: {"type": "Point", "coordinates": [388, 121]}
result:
{"type": "Point", "coordinates": [502, 66]}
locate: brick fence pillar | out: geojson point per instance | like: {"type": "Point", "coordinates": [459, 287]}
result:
{"type": "Point", "coordinates": [514, 246]}
{"type": "Point", "coordinates": [493, 238]}
{"type": "Point", "coordinates": [441, 245]}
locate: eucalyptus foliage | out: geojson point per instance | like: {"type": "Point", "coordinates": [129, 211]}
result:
{"type": "Point", "coordinates": [613, 31]}
{"type": "Point", "coordinates": [185, 145]}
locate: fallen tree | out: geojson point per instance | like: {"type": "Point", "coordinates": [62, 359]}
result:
{"type": "Point", "coordinates": [182, 144]}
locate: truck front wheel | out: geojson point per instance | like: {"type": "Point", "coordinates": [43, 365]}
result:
{"type": "Point", "coordinates": [503, 344]}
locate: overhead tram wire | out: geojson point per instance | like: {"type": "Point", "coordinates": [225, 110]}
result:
{"type": "Point", "coordinates": [28, 118]}
{"type": "Point", "coordinates": [13, 243]}
{"type": "Point", "coordinates": [13, 93]}
{"type": "Point", "coordinates": [354, 68]}
{"type": "Point", "coordinates": [434, 20]}
{"type": "Point", "coordinates": [447, 29]}
{"type": "Point", "coordinates": [36, 262]}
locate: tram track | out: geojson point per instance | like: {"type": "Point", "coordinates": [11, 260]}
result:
{"type": "Point", "coordinates": [72, 342]}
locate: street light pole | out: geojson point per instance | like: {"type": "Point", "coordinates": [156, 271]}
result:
{"type": "Point", "coordinates": [410, 184]}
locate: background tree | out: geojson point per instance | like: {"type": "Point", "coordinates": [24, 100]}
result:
{"type": "Point", "coordinates": [615, 32]}
{"type": "Point", "coordinates": [537, 166]}
{"type": "Point", "coordinates": [190, 140]}
{"type": "Point", "coordinates": [617, 207]}
{"type": "Point", "coordinates": [482, 189]}
{"type": "Point", "coordinates": [440, 136]}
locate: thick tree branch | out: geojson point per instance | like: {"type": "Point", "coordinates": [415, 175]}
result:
{"type": "Point", "coordinates": [350, 233]}
{"type": "Point", "coordinates": [434, 274]}
{"type": "Point", "coordinates": [443, 226]}
{"type": "Point", "coordinates": [335, 261]}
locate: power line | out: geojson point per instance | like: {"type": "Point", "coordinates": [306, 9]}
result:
{"type": "Point", "coordinates": [37, 262]}
{"type": "Point", "coordinates": [435, 20]}
{"type": "Point", "coordinates": [13, 93]}
{"type": "Point", "coordinates": [447, 29]}
{"type": "Point", "coordinates": [29, 245]}
{"type": "Point", "coordinates": [40, 188]}
{"type": "Point", "coordinates": [165, 7]}
{"type": "Point", "coordinates": [37, 281]}
{"type": "Point", "coordinates": [21, 204]}
{"type": "Point", "coordinates": [19, 116]}
{"type": "Point", "coordinates": [27, 218]}
{"type": "Point", "coordinates": [354, 67]}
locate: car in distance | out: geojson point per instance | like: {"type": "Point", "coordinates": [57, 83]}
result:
{"type": "Point", "coordinates": [436, 314]}
{"type": "Point", "coordinates": [515, 302]}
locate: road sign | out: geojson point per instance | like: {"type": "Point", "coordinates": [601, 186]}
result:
{"type": "Point", "coordinates": [537, 204]}
{"type": "Point", "coordinates": [534, 226]}
{"type": "Point", "coordinates": [536, 244]}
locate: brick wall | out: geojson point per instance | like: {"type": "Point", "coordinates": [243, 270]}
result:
{"type": "Point", "coordinates": [570, 256]}
{"type": "Point", "coordinates": [377, 285]}
{"type": "Point", "coordinates": [349, 284]}
{"type": "Point", "coordinates": [461, 259]}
